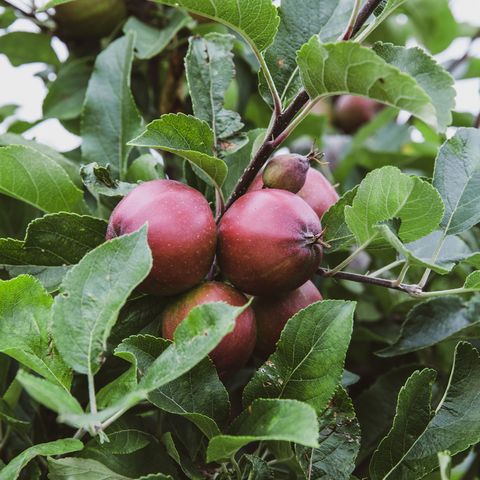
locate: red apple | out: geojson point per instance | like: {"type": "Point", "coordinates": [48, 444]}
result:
{"type": "Point", "coordinates": [286, 172]}
{"type": "Point", "coordinates": [272, 313]}
{"type": "Point", "coordinates": [352, 112]}
{"type": "Point", "coordinates": [269, 242]}
{"type": "Point", "coordinates": [181, 233]}
{"type": "Point", "coordinates": [317, 191]}
{"type": "Point", "coordinates": [235, 349]}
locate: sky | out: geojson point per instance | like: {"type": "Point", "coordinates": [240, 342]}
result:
{"type": "Point", "coordinates": [20, 86]}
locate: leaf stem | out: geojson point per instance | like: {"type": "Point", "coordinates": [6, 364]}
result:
{"type": "Point", "coordinates": [402, 273]}
{"type": "Point", "coordinates": [347, 34]}
{"type": "Point", "coordinates": [91, 394]}
{"type": "Point", "coordinates": [277, 103]}
{"type": "Point", "coordinates": [386, 268]}
{"type": "Point", "coordinates": [347, 261]}
{"type": "Point", "coordinates": [238, 472]}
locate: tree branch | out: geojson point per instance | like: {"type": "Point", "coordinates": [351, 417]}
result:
{"type": "Point", "coordinates": [364, 15]}
{"type": "Point", "coordinates": [412, 290]}
{"type": "Point", "coordinates": [280, 123]}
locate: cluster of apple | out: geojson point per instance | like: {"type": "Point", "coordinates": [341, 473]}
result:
{"type": "Point", "coordinates": [267, 245]}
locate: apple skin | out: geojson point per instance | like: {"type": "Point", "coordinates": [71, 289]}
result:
{"type": "Point", "coordinates": [268, 242]}
{"type": "Point", "coordinates": [272, 313]}
{"type": "Point", "coordinates": [236, 348]}
{"type": "Point", "coordinates": [317, 191]}
{"type": "Point", "coordinates": [351, 112]}
{"type": "Point", "coordinates": [286, 172]}
{"type": "Point", "coordinates": [181, 233]}
{"type": "Point", "coordinates": [82, 19]}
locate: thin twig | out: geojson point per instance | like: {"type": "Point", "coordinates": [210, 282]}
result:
{"type": "Point", "coordinates": [364, 15]}
{"type": "Point", "coordinates": [413, 290]}
{"type": "Point", "coordinates": [347, 34]}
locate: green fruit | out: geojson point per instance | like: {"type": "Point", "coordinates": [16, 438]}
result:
{"type": "Point", "coordinates": [82, 19]}
{"type": "Point", "coordinates": [286, 172]}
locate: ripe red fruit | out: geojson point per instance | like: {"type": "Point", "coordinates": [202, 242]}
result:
{"type": "Point", "coordinates": [317, 191]}
{"type": "Point", "coordinates": [272, 313]}
{"type": "Point", "coordinates": [268, 242]}
{"type": "Point", "coordinates": [83, 19]}
{"type": "Point", "coordinates": [286, 172]}
{"type": "Point", "coordinates": [181, 233]}
{"type": "Point", "coordinates": [352, 112]}
{"type": "Point", "coordinates": [235, 349]}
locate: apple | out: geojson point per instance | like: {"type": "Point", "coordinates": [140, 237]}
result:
{"type": "Point", "coordinates": [235, 349]}
{"type": "Point", "coordinates": [286, 172]}
{"type": "Point", "coordinates": [269, 241]}
{"type": "Point", "coordinates": [82, 19]}
{"type": "Point", "coordinates": [351, 112]}
{"type": "Point", "coordinates": [317, 191]}
{"type": "Point", "coordinates": [181, 233]}
{"type": "Point", "coordinates": [273, 312]}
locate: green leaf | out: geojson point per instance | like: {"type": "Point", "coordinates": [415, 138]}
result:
{"type": "Point", "coordinates": [453, 250]}
{"type": "Point", "coordinates": [337, 234]}
{"type": "Point", "coordinates": [151, 41]}
{"type": "Point", "coordinates": [387, 194]}
{"type": "Point", "coordinates": [434, 23]}
{"type": "Point", "coordinates": [91, 297]}
{"type": "Point", "coordinates": [34, 178]}
{"type": "Point", "coordinates": [349, 68]}
{"type": "Point", "coordinates": [267, 419]}
{"type": "Point", "coordinates": [255, 20]}
{"type": "Point", "coordinates": [432, 78]}
{"type": "Point", "coordinates": [457, 179]}
{"type": "Point", "coordinates": [389, 7]}
{"type": "Point", "coordinates": [299, 21]}
{"type": "Point", "coordinates": [454, 427]}
{"type": "Point", "coordinates": [51, 4]}
{"type": "Point", "coordinates": [210, 69]}
{"type": "Point", "coordinates": [68, 165]}
{"type": "Point", "coordinates": [375, 422]}
{"type": "Point", "coordinates": [28, 47]}
{"type": "Point", "coordinates": [339, 442]}
{"type": "Point", "coordinates": [88, 469]}
{"type": "Point", "coordinates": [195, 337]}
{"type": "Point", "coordinates": [144, 168]}
{"type": "Point", "coordinates": [56, 239]}
{"type": "Point", "coordinates": [123, 441]}
{"type": "Point", "coordinates": [7, 17]}
{"type": "Point", "coordinates": [183, 461]}
{"type": "Point", "coordinates": [189, 138]}
{"type": "Point", "coordinates": [412, 417]}
{"type": "Point", "coordinates": [197, 395]}
{"type": "Point", "coordinates": [58, 447]}
{"type": "Point", "coordinates": [472, 282]}
{"type": "Point", "coordinates": [99, 181]}
{"type": "Point", "coordinates": [48, 394]}
{"type": "Point", "coordinates": [110, 117]}
{"type": "Point", "coordinates": [308, 362]}
{"type": "Point", "coordinates": [433, 321]}
{"type": "Point", "coordinates": [24, 324]}
{"type": "Point", "coordinates": [66, 93]}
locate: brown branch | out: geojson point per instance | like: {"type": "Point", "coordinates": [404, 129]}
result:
{"type": "Point", "coordinates": [413, 290]}
{"type": "Point", "coordinates": [267, 148]}
{"type": "Point", "coordinates": [282, 121]}
{"type": "Point", "coordinates": [364, 15]}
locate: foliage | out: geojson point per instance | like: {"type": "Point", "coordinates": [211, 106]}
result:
{"type": "Point", "coordinates": [380, 380]}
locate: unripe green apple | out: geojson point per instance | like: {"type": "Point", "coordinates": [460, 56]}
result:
{"type": "Point", "coordinates": [269, 242]}
{"type": "Point", "coordinates": [273, 312]}
{"type": "Point", "coordinates": [235, 349]}
{"type": "Point", "coordinates": [351, 112]}
{"type": "Point", "coordinates": [317, 191]}
{"type": "Point", "coordinates": [181, 233]}
{"type": "Point", "coordinates": [286, 172]}
{"type": "Point", "coordinates": [83, 19]}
